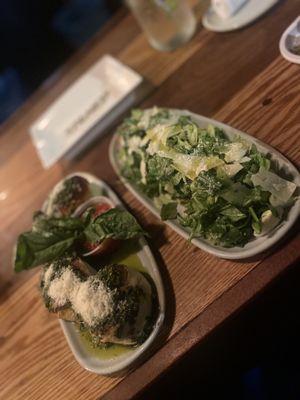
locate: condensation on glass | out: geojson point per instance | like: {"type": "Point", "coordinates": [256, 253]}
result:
{"type": "Point", "coordinates": [167, 23]}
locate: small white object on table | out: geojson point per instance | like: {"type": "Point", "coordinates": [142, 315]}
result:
{"type": "Point", "coordinates": [226, 8]}
{"type": "Point", "coordinates": [85, 110]}
{"type": "Point", "coordinates": [243, 15]}
{"type": "Point", "coordinates": [289, 44]}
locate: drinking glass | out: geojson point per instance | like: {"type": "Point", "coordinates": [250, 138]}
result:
{"type": "Point", "coordinates": [166, 23]}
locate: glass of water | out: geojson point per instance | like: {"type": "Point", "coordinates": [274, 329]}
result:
{"type": "Point", "coordinates": [166, 23]}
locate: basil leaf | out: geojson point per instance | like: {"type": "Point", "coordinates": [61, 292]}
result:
{"type": "Point", "coordinates": [49, 239]}
{"type": "Point", "coordinates": [43, 223]}
{"type": "Point", "coordinates": [114, 223]}
{"type": "Point", "coordinates": [34, 248]}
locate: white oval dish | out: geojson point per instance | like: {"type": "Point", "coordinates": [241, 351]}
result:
{"type": "Point", "coordinates": [116, 364]}
{"type": "Point", "coordinates": [284, 45]}
{"type": "Point", "coordinates": [255, 246]}
{"type": "Point", "coordinates": [248, 13]}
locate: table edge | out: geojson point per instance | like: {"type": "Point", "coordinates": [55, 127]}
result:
{"type": "Point", "coordinates": [190, 335]}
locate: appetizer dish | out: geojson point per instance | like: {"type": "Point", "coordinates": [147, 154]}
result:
{"type": "Point", "coordinates": [97, 273]}
{"type": "Point", "coordinates": [113, 304]}
{"type": "Point", "coordinates": [222, 189]}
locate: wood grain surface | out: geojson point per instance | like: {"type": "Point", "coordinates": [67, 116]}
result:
{"type": "Point", "coordinates": [238, 78]}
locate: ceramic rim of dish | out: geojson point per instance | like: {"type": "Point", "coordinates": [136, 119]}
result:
{"type": "Point", "coordinates": [284, 50]}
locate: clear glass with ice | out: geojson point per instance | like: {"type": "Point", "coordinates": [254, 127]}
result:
{"type": "Point", "coordinates": [166, 23]}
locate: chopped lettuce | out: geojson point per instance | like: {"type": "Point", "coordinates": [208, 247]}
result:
{"type": "Point", "coordinates": [220, 189]}
{"type": "Point", "coordinates": [169, 211]}
{"type": "Point", "coordinates": [268, 222]}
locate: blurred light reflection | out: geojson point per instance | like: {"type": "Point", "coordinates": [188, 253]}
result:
{"type": "Point", "coordinates": [3, 195]}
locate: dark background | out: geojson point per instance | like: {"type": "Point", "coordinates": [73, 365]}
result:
{"type": "Point", "coordinates": [37, 36]}
{"type": "Point", "coordinates": [254, 356]}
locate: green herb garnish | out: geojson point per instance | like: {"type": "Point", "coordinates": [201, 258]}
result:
{"type": "Point", "coordinates": [51, 237]}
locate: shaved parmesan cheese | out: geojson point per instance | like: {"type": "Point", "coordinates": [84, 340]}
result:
{"type": "Point", "coordinates": [133, 144]}
{"type": "Point", "coordinates": [181, 209]}
{"type": "Point", "coordinates": [245, 159]}
{"type": "Point", "coordinates": [276, 201]}
{"type": "Point", "coordinates": [191, 166]}
{"type": "Point", "coordinates": [143, 171]}
{"type": "Point", "coordinates": [235, 151]}
{"type": "Point", "coordinates": [281, 190]}
{"type": "Point", "coordinates": [158, 135]}
{"type": "Point", "coordinates": [188, 165]}
{"type": "Point", "coordinates": [147, 114]}
{"type": "Point", "coordinates": [232, 169]}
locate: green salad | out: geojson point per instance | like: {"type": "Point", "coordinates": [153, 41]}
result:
{"type": "Point", "coordinates": [219, 189]}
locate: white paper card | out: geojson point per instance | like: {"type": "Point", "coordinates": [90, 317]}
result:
{"type": "Point", "coordinates": [73, 115]}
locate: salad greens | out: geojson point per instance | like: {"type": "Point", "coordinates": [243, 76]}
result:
{"type": "Point", "coordinates": [51, 237]}
{"type": "Point", "coordinates": [220, 189]}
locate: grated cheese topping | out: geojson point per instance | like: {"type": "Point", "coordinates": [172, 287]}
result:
{"type": "Point", "coordinates": [91, 299]}
{"type": "Point", "coordinates": [47, 275]}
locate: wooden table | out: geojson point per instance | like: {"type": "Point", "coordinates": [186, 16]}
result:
{"type": "Point", "coordinates": [239, 78]}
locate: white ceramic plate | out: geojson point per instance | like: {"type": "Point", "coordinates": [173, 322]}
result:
{"type": "Point", "coordinates": [284, 45]}
{"type": "Point", "coordinates": [84, 110]}
{"type": "Point", "coordinates": [248, 13]}
{"type": "Point", "coordinates": [116, 364]}
{"type": "Point", "coordinates": [255, 246]}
